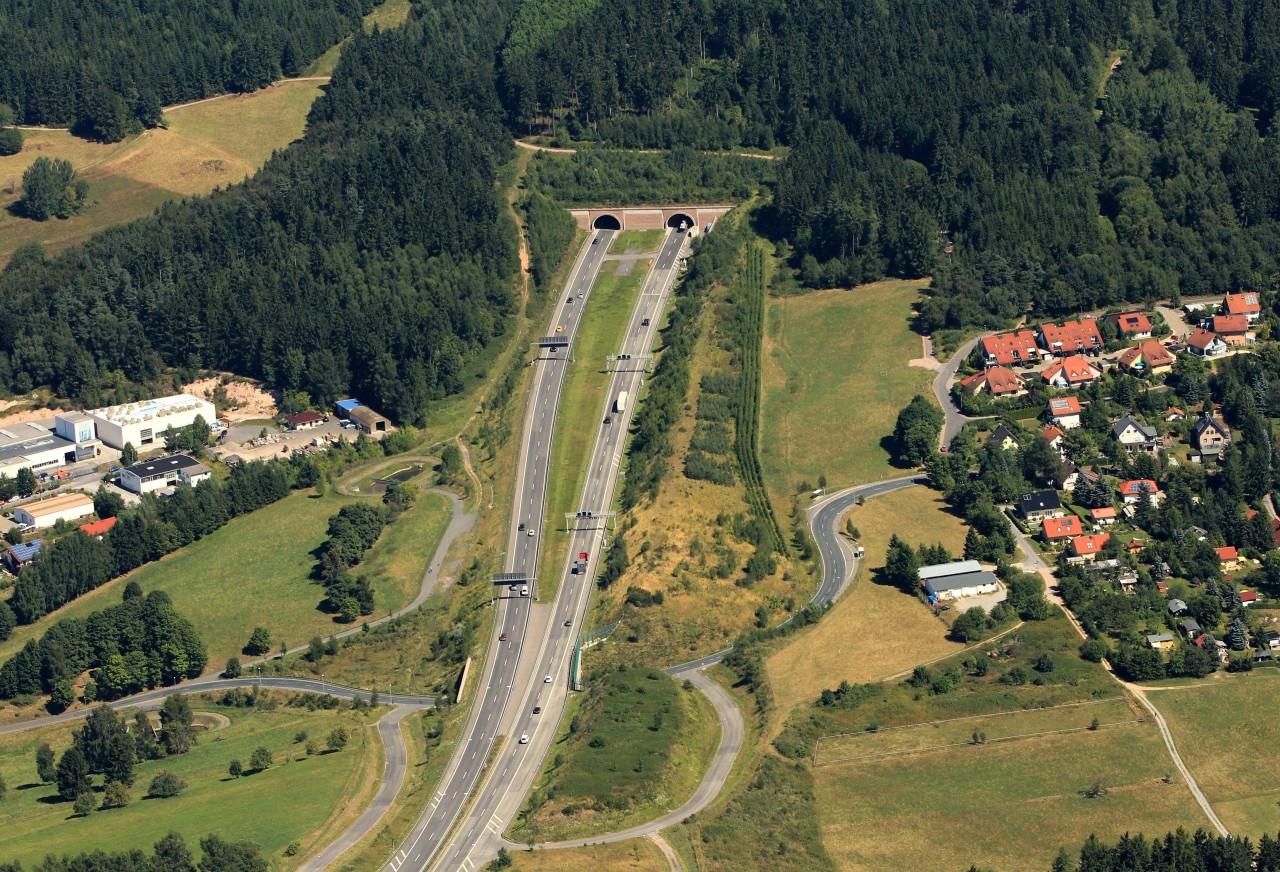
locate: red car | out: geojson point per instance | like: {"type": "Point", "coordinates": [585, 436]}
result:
{"type": "Point", "coordinates": [502, 638]}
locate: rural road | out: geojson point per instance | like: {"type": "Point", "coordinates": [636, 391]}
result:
{"type": "Point", "coordinates": [942, 392]}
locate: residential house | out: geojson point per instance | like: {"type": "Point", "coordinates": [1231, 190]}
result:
{"type": "Point", "coordinates": [1204, 343]}
{"type": "Point", "coordinates": [1055, 437]}
{"type": "Point", "coordinates": [1071, 337]}
{"type": "Point", "coordinates": [1190, 628]}
{"type": "Point", "coordinates": [1232, 328]}
{"type": "Point", "coordinates": [1228, 559]}
{"type": "Point", "coordinates": [1103, 517]}
{"type": "Point", "coordinates": [1011, 349]}
{"type": "Point", "coordinates": [1086, 548]}
{"type": "Point", "coordinates": [1147, 358]}
{"type": "Point", "coordinates": [1209, 436]}
{"type": "Point", "coordinates": [1057, 530]}
{"type": "Point", "coordinates": [1071, 372]}
{"type": "Point", "coordinates": [998, 381]}
{"type": "Point", "coordinates": [1246, 304]}
{"type": "Point", "coordinates": [1132, 433]}
{"type": "Point", "coordinates": [1131, 492]}
{"type": "Point", "coordinates": [1248, 598]}
{"type": "Point", "coordinates": [1131, 325]}
{"type": "Point", "coordinates": [1067, 477]}
{"type": "Point", "coordinates": [1273, 639]}
{"type": "Point", "coordinates": [18, 556]}
{"type": "Point", "coordinates": [96, 529]}
{"type": "Point", "coordinates": [1177, 607]}
{"type": "Point", "coordinates": [1038, 505]}
{"type": "Point", "coordinates": [1004, 437]}
{"type": "Point", "coordinates": [1173, 413]}
{"type": "Point", "coordinates": [1065, 412]}
{"type": "Point", "coordinates": [1161, 641]}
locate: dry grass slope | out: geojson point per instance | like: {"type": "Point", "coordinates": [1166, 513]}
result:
{"type": "Point", "coordinates": [208, 144]}
{"type": "Point", "coordinates": [874, 630]}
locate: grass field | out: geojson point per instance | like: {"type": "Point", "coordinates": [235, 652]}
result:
{"type": "Point", "coordinates": [853, 642]}
{"type": "Point", "coordinates": [636, 855]}
{"type": "Point", "coordinates": [636, 745]}
{"type": "Point", "coordinates": [644, 241]}
{"type": "Point", "coordinates": [1006, 726]}
{"type": "Point", "coordinates": [1220, 725]}
{"type": "Point", "coordinates": [835, 376]}
{"type": "Point", "coordinates": [582, 405]}
{"type": "Point", "coordinates": [255, 571]}
{"type": "Point", "coordinates": [389, 14]}
{"type": "Point", "coordinates": [1002, 806]}
{"type": "Point", "coordinates": [280, 805]}
{"type": "Point", "coordinates": [209, 144]}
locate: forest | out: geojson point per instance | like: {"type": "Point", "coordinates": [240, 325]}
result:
{"type": "Point", "coordinates": [985, 146]}
{"type": "Point", "coordinates": [373, 256]}
{"type": "Point", "coordinates": [65, 60]}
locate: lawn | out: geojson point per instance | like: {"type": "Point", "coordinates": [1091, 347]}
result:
{"type": "Point", "coordinates": [255, 571]}
{"type": "Point", "coordinates": [636, 855]}
{"type": "Point", "coordinates": [289, 802]}
{"type": "Point", "coordinates": [580, 412]}
{"type": "Point", "coordinates": [1219, 725]}
{"type": "Point", "coordinates": [874, 630]}
{"type": "Point", "coordinates": [636, 746]}
{"type": "Point", "coordinates": [644, 241]}
{"type": "Point", "coordinates": [210, 144]}
{"type": "Point", "coordinates": [389, 14]}
{"type": "Point", "coordinates": [1001, 806]}
{"type": "Point", "coordinates": [835, 376]}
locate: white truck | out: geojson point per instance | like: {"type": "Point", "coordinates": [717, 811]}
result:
{"type": "Point", "coordinates": [620, 404]}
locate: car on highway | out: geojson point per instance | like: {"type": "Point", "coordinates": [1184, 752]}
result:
{"type": "Point", "coordinates": [569, 623]}
{"type": "Point", "coordinates": [547, 680]}
{"type": "Point", "coordinates": [524, 738]}
{"type": "Point", "coordinates": [608, 419]}
{"type": "Point", "coordinates": [569, 300]}
{"type": "Point", "coordinates": [644, 323]}
{"type": "Point", "coordinates": [559, 328]}
{"type": "Point", "coordinates": [524, 591]}
{"type": "Point", "coordinates": [521, 527]}
{"type": "Point", "coordinates": [596, 241]}
{"type": "Point", "coordinates": [530, 531]}
{"type": "Point", "coordinates": [502, 638]}
{"type": "Point", "coordinates": [537, 709]}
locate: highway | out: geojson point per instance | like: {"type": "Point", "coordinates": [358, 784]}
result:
{"type": "Point", "coordinates": [508, 665]}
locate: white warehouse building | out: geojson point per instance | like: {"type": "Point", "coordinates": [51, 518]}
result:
{"type": "Point", "coordinates": [34, 445]}
{"type": "Point", "coordinates": [142, 424]}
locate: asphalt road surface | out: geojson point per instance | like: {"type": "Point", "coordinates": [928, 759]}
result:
{"type": "Point", "coordinates": [479, 834]}
{"type": "Point", "coordinates": [500, 674]}
{"type": "Point", "coordinates": [942, 391]}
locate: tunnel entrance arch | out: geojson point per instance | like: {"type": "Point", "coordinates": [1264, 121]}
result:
{"type": "Point", "coordinates": [606, 222]}
{"type": "Point", "coordinates": [681, 218]}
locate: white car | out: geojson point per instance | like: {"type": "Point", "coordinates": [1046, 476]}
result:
{"type": "Point", "coordinates": [530, 531]}
{"type": "Point", "coordinates": [524, 739]}
{"type": "Point", "coordinates": [547, 680]}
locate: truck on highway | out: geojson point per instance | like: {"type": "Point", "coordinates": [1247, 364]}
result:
{"type": "Point", "coordinates": [620, 404]}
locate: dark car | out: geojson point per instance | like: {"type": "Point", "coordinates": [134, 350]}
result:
{"type": "Point", "coordinates": [502, 638]}
{"type": "Point", "coordinates": [644, 323]}
{"type": "Point", "coordinates": [608, 419]}
{"type": "Point", "coordinates": [596, 241]}
{"type": "Point", "coordinates": [521, 527]}
{"type": "Point", "coordinates": [537, 709]}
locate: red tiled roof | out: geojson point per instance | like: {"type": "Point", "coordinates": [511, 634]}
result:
{"type": "Point", "coordinates": [1152, 353]}
{"type": "Point", "coordinates": [1002, 380]}
{"type": "Point", "coordinates": [1104, 512]}
{"type": "Point", "coordinates": [303, 418]}
{"type": "Point", "coordinates": [1059, 406]}
{"type": "Point", "coordinates": [1072, 335]}
{"type": "Point", "coordinates": [1241, 304]}
{"type": "Point", "coordinates": [1052, 434]}
{"type": "Point", "coordinates": [1008, 348]}
{"type": "Point", "coordinates": [1133, 322]}
{"type": "Point", "coordinates": [1230, 324]}
{"type": "Point", "coordinates": [1174, 410]}
{"type": "Point", "coordinates": [1139, 486]}
{"type": "Point", "coordinates": [97, 528]}
{"type": "Point", "coordinates": [1201, 339]}
{"type": "Point", "coordinates": [1225, 554]}
{"type": "Point", "coordinates": [1249, 515]}
{"type": "Point", "coordinates": [1075, 369]}
{"type": "Point", "coordinates": [1082, 545]}
{"type": "Point", "coordinates": [1248, 596]}
{"type": "Point", "coordinates": [1061, 528]}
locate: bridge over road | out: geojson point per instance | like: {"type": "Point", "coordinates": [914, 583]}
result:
{"type": "Point", "coordinates": [647, 217]}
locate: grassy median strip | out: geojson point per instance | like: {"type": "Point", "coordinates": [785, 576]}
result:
{"type": "Point", "coordinates": [582, 402]}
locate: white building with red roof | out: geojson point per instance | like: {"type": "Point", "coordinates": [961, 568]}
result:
{"type": "Point", "coordinates": [1071, 337]}
{"type": "Point", "coordinates": [1071, 372]}
{"type": "Point", "coordinates": [1065, 412]}
{"type": "Point", "coordinates": [1011, 349]}
{"type": "Point", "coordinates": [999, 381]}
{"type": "Point", "coordinates": [1245, 303]}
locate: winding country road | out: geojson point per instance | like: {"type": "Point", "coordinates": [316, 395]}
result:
{"type": "Point", "coordinates": [955, 420]}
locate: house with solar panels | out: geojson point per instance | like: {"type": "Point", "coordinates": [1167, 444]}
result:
{"type": "Point", "coordinates": [18, 556]}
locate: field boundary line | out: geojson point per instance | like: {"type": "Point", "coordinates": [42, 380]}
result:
{"type": "Point", "coordinates": [1043, 708]}
{"type": "Point", "coordinates": [996, 741]}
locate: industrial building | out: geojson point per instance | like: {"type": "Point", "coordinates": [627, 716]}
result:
{"type": "Point", "coordinates": [948, 581]}
{"type": "Point", "coordinates": [368, 420]}
{"type": "Point", "coordinates": [35, 446]}
{"type": "Point", "coordinates": [143, 423]}
{"type": "Point", "coordinates": [70, 506]}
{"type": "Point", "coordinates": [150, 475]}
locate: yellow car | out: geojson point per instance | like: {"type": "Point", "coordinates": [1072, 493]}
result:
{"type": "Point", "coordinates": [559, 328]}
